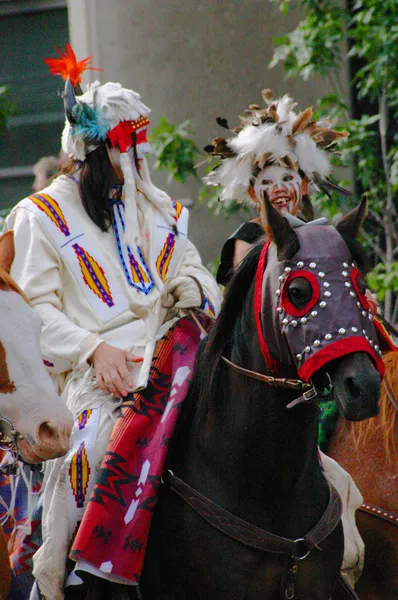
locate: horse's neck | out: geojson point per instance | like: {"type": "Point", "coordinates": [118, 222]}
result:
{"type": "Point", "coordinates": [248, 451]}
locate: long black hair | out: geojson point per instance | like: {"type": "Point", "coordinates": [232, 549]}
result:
{"type": "Point", "coordinates": [96, 178]}
{"type": "Point", "coordinates": [98, 175]}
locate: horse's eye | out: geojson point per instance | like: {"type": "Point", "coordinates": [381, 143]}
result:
{"type": "Point", "coordinates": [299, 292]}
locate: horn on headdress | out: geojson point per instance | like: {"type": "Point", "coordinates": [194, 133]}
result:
{"type": "Point", "coordinates": [69, 101]}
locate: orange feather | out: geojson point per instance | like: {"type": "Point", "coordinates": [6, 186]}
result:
{"type": "Point", "coordinates": [67, 65]}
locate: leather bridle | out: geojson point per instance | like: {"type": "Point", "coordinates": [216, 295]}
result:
{"type": "Point", "coordinates": [11, 446]}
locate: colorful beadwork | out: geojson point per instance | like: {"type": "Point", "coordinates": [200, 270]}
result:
{"type": "Point", "coordinates": [164, 258]}
{"type": "Point", "coordinates": [93, 275]}
{"type": "Point", "coordinates": [51, 208]}
{"type": "Point", "coordinates": [83, 418]}
{"type": "Point", "coordinates": [138, 275]}
{"type": "Point", "coordinates": [79, 473]}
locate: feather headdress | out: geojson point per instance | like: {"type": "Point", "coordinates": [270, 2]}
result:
{"type": "Point", "coordinates": [272, 135]}
{"type": "Point", "coordinates": [111, 113]}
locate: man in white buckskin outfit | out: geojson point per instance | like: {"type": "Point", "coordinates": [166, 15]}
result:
{"type": "Point", "coordinates": [286, 162]}
{"type": "Point", "coordinates": [104, 257]}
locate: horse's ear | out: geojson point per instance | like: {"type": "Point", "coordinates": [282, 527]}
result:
{"type": "Point", "coordinates": [7, 250]}
{"type": "Point", "coordinates": [280, 232]}
{"type": "Point", "coordinates": [351, 223]}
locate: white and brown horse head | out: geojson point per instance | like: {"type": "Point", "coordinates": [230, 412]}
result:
{"type": "Point", "coordinates": [319, 319]}
{"type": "Point", "coordinates": [29, 403]}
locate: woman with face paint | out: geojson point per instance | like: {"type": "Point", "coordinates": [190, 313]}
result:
{"type": "Point", "coordinates": [104, 257]}
{"type": "Point", "coordinates": [281, 155]}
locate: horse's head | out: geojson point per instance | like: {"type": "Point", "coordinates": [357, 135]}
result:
{"type": "Point", "coordinates": [314, 312]}
{"type": "Point", "coordinates": [29, 403]}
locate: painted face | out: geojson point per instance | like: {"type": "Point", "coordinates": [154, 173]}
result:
{"type": "Point", "coordinates": [283, 186]}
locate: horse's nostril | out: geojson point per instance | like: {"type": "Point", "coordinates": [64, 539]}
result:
{"type": "Point", "coordinates": [46, 433]}
{"type": "Point", "coordinates": [353, 387]}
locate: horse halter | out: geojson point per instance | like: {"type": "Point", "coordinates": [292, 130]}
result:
{"type": "Point", "coordinates": [310, 392]}
{"type": "Point", "coordinates": [9, 437]}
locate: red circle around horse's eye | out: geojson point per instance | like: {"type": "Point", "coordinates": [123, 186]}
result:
{"type": "Point", "coordinates": [286, 302]}
{"type": "Point", "coordinates": [358, 284]}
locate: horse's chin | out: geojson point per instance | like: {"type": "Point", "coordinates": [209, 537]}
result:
{"type": "Point", "coordinates": [351, 411]}
{"type": "Point", "coordinates": [33, 454]}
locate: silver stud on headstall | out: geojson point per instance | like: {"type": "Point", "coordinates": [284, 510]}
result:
{"type": "Point", "coordinates": [294, 323]}
{"type": "Point", "coordinates": [344, 273]}
{"type": "Point", "coordinates": [328, 337]}
{"type": "Point", "coordinates": [288, 269]}
{"type": "Point", "coordinates": [353, 294]}
{"type": "Point", "coordinates": [278, 292]}
{"type": "Point", "coordinates": [322, 304]}
{"type": "Point", "coordinates": [341, 331]}
{"type": "Point", "coordinates": [317, 343]}
{"type": "Point", "coordinates": [307, 349]}
{"type": "Point", "coordinates": [345, 265]}
{"type": "Point", "coordinates": [314, 314]}
{"type": "Point", "coordinates": [285, 321]}
{"type": "Point", "coordinates": [300, 264]}
{"type": "Point", "coordinates": [312, 265]}
{"type": "Point", "coordinates": [347, 284]}
{"type": "Point", "coordinates": [327, 294]}
{"type": "Point", "coordinates": [354, 329]}
{"type": "Point", "coordinates": [326, 284]}
{"type": "Point", "coordinates": [303, 321]}
{"type": "Point", "coordinates": [279, 309]}
{"type": "Point", "coordinates": [281, 278]}
{"type": "Point", "coordinates": [321, 274]}
{"type": "Point", "coordinates": [299, 356]}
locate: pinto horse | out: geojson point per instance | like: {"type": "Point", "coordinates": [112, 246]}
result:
{"type": "Point", "coordinates": [369, 452]}
{"type": "Point", "coordinates": [34, 422]}
{"type": "Point", "coordinates": [246, 512]}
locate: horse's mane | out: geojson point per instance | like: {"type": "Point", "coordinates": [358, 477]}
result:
{"type": "Point", "coordinates": [8, 284]}
{"type": "Point", "coordinates": [226, 330]}
{"type": "Point", "coordinates": [384, 425]}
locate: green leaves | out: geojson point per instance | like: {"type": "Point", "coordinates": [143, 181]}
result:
{"type": "Point", "coordinates": [174, 149]}
{"type": "Point", "coordinates": [383, 278]}
{"type": "Point", "coordinates": [7, 107]}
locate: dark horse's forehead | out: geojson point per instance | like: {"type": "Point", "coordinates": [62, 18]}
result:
{"type": "Point", "coordinates": [335, 322]}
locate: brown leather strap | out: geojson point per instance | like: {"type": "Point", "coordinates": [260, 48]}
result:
{"type": "Point", "coordinates": [253, 536]}
{"type": "Point", "coordinates": [294, 384]}
{"type": "Point", "coordinates": [377, 511]}
{"type": "Point", "coordinates": [344, 591]}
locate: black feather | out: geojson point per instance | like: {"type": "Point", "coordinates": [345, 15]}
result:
{"type": "Point", "coordinates": [222, 122]}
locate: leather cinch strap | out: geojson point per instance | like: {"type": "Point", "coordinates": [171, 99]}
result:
{"type": "Point", "coordinates": [253, 536]}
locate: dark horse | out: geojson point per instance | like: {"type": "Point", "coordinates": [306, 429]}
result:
{"type": "Point", "coordinates": [295, 307]}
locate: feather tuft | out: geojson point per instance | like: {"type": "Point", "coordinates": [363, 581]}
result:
{"type": "Point", "coordinates": [89, 124]}
{"type": "Point", "coordinates": [68, 67]}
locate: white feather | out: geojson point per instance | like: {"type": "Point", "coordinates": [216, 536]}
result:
{"type": "Point", "coordinates": [311, 158]}
{"type": "Point", "coordinates": [256, 141]}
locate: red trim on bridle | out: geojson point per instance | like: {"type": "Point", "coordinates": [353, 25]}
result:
{"type": "Point", "coordinates": [355, 274]}
{"type": "Point", "coordinates": [316, 292]}
{"type": "Point", "coordinates": [258, 293]}
{"type": "Point", "coordinates": [336, 350]}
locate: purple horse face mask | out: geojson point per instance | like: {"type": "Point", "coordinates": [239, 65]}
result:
{"type": "Point", "coordinates": [313, 305]}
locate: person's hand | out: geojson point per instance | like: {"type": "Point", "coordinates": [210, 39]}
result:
{"type": "Point", "coordinates": [111, 370]}
{"type": "Point", "coordinates": [182, 292]}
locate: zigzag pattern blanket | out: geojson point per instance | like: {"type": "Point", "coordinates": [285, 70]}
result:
{"type": "Point", "coordinates": [113, 534]}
